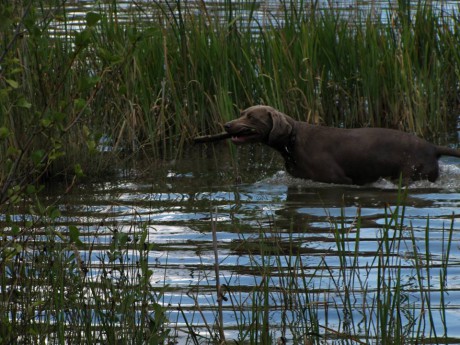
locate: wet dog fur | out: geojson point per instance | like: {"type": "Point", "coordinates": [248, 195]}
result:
{"type": "Point", "coordinates": [337, 155]}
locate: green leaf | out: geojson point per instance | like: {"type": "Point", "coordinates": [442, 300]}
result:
{"type": "Point", "coordinates": [55, 154]}
{"type": "Point", "coordinates": [30, 189]}
{"type": "Point", "coordinates": [92, 18]}
{"type": "Point", "coordinates": [121, 238]}
{"type": "Point", "coordinates": [16, 70]}
{"type": "Point", "coordinates": [58, 116]}
{"type": "Point", "coordinates": [79, 103]}
{"type": "Point", "coordinates": [78, 170]}
{"type": "Point", "coordinates": [10, 252]}
{"type": "Point", "coordinates": [4, 94]}
{"type": "Point", "coordinates": [91, 144]}
{"type": "Point", "coordinates": [15, 230]}
{"type": "Point", "coordinates": [13, 152]}
{"type": "Point", "coordinates": [108, 55]}
{"type": "Point", "coordinates": [4, 132]}
{"type": "Point", "coordinates": [23, 103]}
{"type": "Point", "coordinates": [86, 131]}
{"type": "Point", "coordinates": [74, 235]}
{"type": "Point", "coordinates": [13, 83]}
{"type": "Point", "coordinates": [83, 38]}
{"type": "Point", "coordinates": [45, 122]}
{"type": "Point", "coordinates": [37, 156]}
{"type": "Point", "coordinates": [54, 213]}
{"type": "Point", "coordinates": [88, 83]}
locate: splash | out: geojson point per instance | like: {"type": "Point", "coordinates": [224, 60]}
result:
{"type": "Point", "coordinates": [449, 179]}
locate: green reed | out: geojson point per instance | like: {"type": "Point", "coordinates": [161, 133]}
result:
{"type": "Point", "coordinates": [51, 292]}
{"type": "Point", "coordinates": [151, 85]}
{"type": "Point", "coordinates": [366, 308]}
{"type": "Point", "coordinates": [151, 78]}
{"type": "Point", "coordinates": [94, 285]}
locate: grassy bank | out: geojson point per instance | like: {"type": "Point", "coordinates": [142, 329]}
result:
{"type": "Point", "coordinates": [151, 78]}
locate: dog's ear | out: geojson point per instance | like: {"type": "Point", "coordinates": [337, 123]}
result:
{"type": "Point", "coordinates": [281, 129]}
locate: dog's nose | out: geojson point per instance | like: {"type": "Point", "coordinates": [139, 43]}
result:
{"type": "Point", "coordinates": [227, 126]}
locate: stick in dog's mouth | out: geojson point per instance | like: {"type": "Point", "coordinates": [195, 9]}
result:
{"type": "Point", "coordinates": [212, 138]}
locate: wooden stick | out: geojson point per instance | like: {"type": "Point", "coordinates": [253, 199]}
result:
{"type": "Point", "coordinates": [211, 138]}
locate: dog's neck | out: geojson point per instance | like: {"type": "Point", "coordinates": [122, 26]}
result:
{"type": "Point", "coordinates": [287, 150]}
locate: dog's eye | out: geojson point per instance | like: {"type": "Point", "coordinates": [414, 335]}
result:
{"type": "Point", "coordinates": [249, 116]}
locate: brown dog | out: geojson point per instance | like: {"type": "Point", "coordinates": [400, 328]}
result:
{"type": "Point", "coordinates": [335, 155]}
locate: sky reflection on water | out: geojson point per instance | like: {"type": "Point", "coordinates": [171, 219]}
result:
{"type": "Point", "coordinates": [291, 227]}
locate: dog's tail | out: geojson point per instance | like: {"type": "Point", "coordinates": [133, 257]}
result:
{"type": "Point", "coordinates": [447, 151]}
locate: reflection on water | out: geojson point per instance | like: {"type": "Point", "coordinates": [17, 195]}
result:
{"type": "Point", "coordinates": [282, 224]}
{"type": "Point", "coordinates": [263, 12]}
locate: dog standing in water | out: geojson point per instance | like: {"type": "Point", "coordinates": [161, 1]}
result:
{"type": "Point", "coordinates": [336, 155]}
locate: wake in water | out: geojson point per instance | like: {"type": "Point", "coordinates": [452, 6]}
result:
{"type": "Point", "coordinates": [449, 179]}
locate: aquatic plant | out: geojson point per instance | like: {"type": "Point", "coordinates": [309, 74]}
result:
{"type": "Point", "coordinates": [52, 292]}
{"type": "Point", "coordinates": [353, 295]}
{"type": "Point", "coordinates": [147, 81]}
{"type": "Point", "coordinates": [110, 279]}
{"type": "Point", "coordinates": [149, 78]}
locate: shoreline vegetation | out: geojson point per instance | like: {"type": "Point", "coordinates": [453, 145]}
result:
{"type": "Point", "coordinates": [77, 100]}
{"type": "Point", "coordinates": [150, 79]}
{"type": "Point", "coordinates": [69, 284]}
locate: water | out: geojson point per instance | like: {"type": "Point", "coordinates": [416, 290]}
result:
{"type": "Point", "coordinates": [283, 242]}
{"type": "Point", "coordinates": [276, 230]}
{"type": "Point", "coordinates": [263, 12]}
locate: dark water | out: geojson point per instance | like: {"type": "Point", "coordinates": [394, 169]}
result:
{"type": "Point", "coordinates": [293, 228]}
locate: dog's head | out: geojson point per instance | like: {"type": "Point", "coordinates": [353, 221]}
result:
{"type": "Point", "coordinates": [260, 123]}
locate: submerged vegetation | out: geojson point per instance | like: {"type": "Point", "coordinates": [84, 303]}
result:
{"type": "Point", "coordinates": [78, 93]}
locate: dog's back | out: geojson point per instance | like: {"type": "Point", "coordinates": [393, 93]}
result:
{"type": "Point", "coordinates": [335, 155]}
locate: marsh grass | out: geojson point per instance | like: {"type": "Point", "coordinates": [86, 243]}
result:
{"type": "Point", "coordinates": [64, 283]}
{"type": "Point", "coordinates": [149, 85]}
{"type": "Point", "coordinates": [150, 78]}
{"type": "Point", "coordinates": [58, 286]}
{"type": "Point", "coordinates": [361, 297]}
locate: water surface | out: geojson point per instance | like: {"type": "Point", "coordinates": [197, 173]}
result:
{"type": "Point", "coordinates": [281, 233]}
